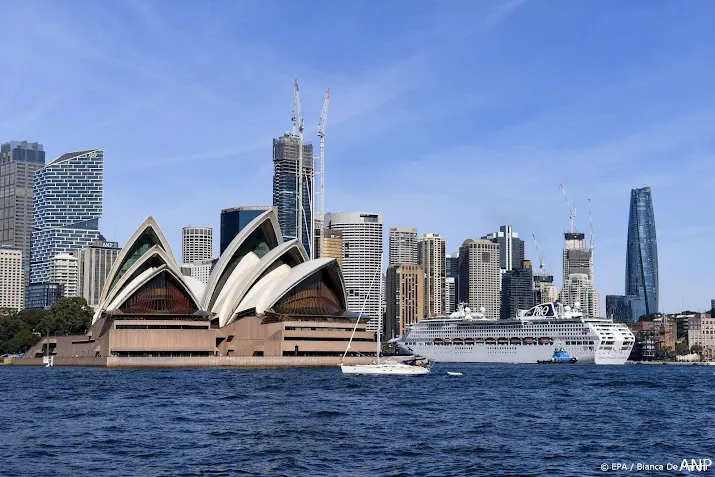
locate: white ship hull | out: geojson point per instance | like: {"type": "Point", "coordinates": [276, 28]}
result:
{"type": "Point", "coordinates": [519, 354]}
{"type": "Point", "coordinates": [461, 338]}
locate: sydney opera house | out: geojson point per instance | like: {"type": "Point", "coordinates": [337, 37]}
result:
{"type": "Point", "coordinates": [264, 298]}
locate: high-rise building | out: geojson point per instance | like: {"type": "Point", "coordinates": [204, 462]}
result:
{"type": "Point", "coordinates": [233, 220]}
{"type": "Point", "coordinates": [64, 269]}
{"type": "Point", "coordinates": [197, 244]}
{"type": "Point", "coordinates": [642, 250]}
{"type": "Point", "coordinates": [452, 271]}
{"type": "Point", "coordinates": [576, 255]}
{"type": "Point", "coordinates": [94, 262]}
{"type": "Point", "coordinates": [430, 256]}
{"type": "Point", "coordinates": [625, 309]}
{"type": "Point", "coordinates": [480, 276]}
{"type": "Point", "coordinates": [67, 206]}
{"type": "Point", "coordinates": [43, 295]}
{"type": "Point", "coordinates": [517, 290]}
{"type": "Point", "coordinates": [200, 269]}
{"type": "Point", "coordinates": [712, 308]}
{"type": "Point", "coordinates": [402, 245]}
{"type": "Point", "coordinates": [579, 288]}
{"type": "Point", "coordinates": [511, 247]}
{"type": "Point", "coordinates": [18, 162]}
{"type": "Point", "coordinates": [332, 246]}
{"type": "Point", "coordinates": [12, 286]}
{"type": "Point", "coordinates": [362, 261]}
{"type": "Point", "coordinates": [450, 297]}
{"type": "Point", "coordinates": [285, 185]}
{"type": "Point", "coordinates": [544, 289]}
{"type": "Point", "coordinates": [404, 298]}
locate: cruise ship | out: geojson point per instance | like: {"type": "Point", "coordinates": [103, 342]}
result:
{"type": "Point", "coordinates": [470, 337]}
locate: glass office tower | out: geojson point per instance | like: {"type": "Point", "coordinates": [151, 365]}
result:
{"type": "Point", "coordinates": [642, 250]}
{"type": "Point", "coordinates": [67, 206]}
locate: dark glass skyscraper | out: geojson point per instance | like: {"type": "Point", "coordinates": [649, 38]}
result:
{"type": "Point", "coordinates": [285, 185]}
{"type": "Point", "coordinates": [233, 220]}
{"type": "Point", "coordinates": [642, 250]}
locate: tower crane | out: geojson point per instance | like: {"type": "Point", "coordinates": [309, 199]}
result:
{"type": "Point", "coordinates": [572, 210]}
{"type": "Point", "coordinates": [297, 117]}
{"type": "Point", "coordinates": [542, 266]}
{"type": "Point", "coordinates": [590, 227]}
{"type": "Point", "coordinates": [321, 134]}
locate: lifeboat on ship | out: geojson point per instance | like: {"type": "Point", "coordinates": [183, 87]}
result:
{"type": "Point", "coordinates": [479, 341]}
{"type": "Point", "coordinates": [438, 341]}
{"type": "Point", "coordinates": [502, 341]}
{"type": "Point", "coordinates": [469, 341]}
{"type": "Point", "coordinates": [529, 340]}
{"type": "Point", "coordinates": [515, 341]}
{"type": "Point", "coordinates": [457, 341]}
{"type": "Point", "coordinates": [544, 340]}
{"type": "Point", "coordinates": [490, 341]}
{"type": "Point", "coordinates": [448, 341]}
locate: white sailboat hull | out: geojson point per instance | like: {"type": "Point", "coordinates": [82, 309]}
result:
{"type": "Point", "coordinates": [397, 369]}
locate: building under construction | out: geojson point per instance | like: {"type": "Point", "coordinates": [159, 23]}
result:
{"type": "Point", "coordinates": [285, 186]}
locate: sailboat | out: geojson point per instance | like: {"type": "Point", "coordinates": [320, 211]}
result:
{"type": "Point", "coordinates": [398, 365]}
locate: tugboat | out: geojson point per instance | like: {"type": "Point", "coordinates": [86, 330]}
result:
{"type": "Point", "coordinates": [559, 357]}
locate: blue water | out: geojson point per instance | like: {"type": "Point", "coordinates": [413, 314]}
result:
{"type": "Point", "coordinates": [493, 420]}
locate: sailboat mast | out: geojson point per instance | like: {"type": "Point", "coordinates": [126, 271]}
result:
{"type": "Point", "coordinates": [363, 309]}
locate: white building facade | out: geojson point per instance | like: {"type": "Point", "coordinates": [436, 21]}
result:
{"type": "Point", "coordinates": [64, 270]}
{"type": "Point", "coordinates": [200, 270]}
{"type": "Point", "coordinates": [12, 283]}
{"type": "Point", "coordinates": [197, 244]}
{"type": "Point", "coordinates": [402, 243]}
{"type": "Point", "coordinates": [94, 262]}
{"type": "Point", "coordinates": [431, 257]}
{"type": "Point", "coordinates": [362, 261]}
{"type": "Point", "coordinates": [579, 288]}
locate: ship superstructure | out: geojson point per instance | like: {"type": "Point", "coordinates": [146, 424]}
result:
{"type": "Point", "coordinates": [470, 337]}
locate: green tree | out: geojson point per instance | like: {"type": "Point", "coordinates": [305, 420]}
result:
{"type": "Point", "coordinates": [696, 348]}
{"type": "Point", "coordinates": [22, 341]}
{"type": "Point", "coordinates": [67, 316]}
{"type": "Point", "coordinates": [681, 348]}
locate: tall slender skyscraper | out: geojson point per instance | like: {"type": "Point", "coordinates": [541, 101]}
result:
{"type": "Point", "coordinates": [12, 288]}
{"type": "Point", "coordinates": [404, 298]}
{"type": "Point", "coordinates": [642, 250]}
{"type": "Point", "coordinates": [480, 276]}
{"type": "Point", "coordinates": [430, 256]}
{"type": "Point", "coordinates": [362, 267]}
{"type": "Point", "coordinates": [285, 186]}
{"type": "Point", "coordinates": [18, 162]}
{"type": "Point", "coordinates": [403, 245]}
{"type": "Point", "coordinates": [511, 247]}
{"type": "Point", "coordinates": [67, 206]}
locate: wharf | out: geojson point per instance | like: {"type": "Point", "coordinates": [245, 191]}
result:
{"type": "Point", "coordinates": [196, 361]}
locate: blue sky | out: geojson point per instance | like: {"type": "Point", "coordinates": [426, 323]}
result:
{"type": "Point", "coordinates": [453, 117]}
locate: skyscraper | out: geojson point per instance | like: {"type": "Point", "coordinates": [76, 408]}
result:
{"type": "Point", "coordinates": [579, 288]}
{"type": "Point", "coordinates": [452, 271]}
{"type": "Point", "coordinates": [12, 287]}
{"type": "Point", "coordinates": [362, 266]}
{"type": "Point", "coordinates": [197, 244]}
{"type": "Point", "coordinates": [233, 220]}
{"type": "Point", "coordinates": [624, 309]}
{"type": "Point", "coordinates": [642, 250]}
{"type": "Point", "coordinates": [332, 245]}
{"type": "Point", "coordinates": [430, 256]}
{"type": "Point", "coordinates": [18, 162]}
{"type": "Point", "coordinates": [576, 255]}
{"type": "Point", "coordinates": [517, 291]}
{"type": "Point", "coordinates": [404, 298]}
{"type": "Point", "coordinates": [285, 186]}
{"type": "Point", "coordinates": [480, 276]}
{"type": "Point", "coordinates": [403, 245]}
{"type": "Point", "coordinates": [94, 262]}
{"type": "Point", "coordinates": [67, 206]}
{"type": "Point", "coordinates": [511, 247]}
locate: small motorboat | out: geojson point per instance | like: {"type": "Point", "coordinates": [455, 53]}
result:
{"type": "Point", "coordinates": [559, 357]}
{"type": "Point", "coordinates": [454, 373]}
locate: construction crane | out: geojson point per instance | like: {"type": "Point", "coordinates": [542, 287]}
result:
{"type": "Point", "coordinates": [321, 134]}
{"type": "Point", "coordinates": [542, 266]}
{"type": "Point", "coordinates": [572, 210]}
{"type": "Point", "coordinates": [590, 227]}
{"type": "Point", "coordinates": [297, 118]}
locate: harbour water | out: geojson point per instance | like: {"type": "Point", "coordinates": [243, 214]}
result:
{"type": "Point", "coordinates": [492, 420]}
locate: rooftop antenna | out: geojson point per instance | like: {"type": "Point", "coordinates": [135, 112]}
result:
{"type": "Point", "coordinates": [572, 210]}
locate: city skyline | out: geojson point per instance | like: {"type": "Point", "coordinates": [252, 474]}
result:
{"type": "Point", "coordinates": [547, 108]}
